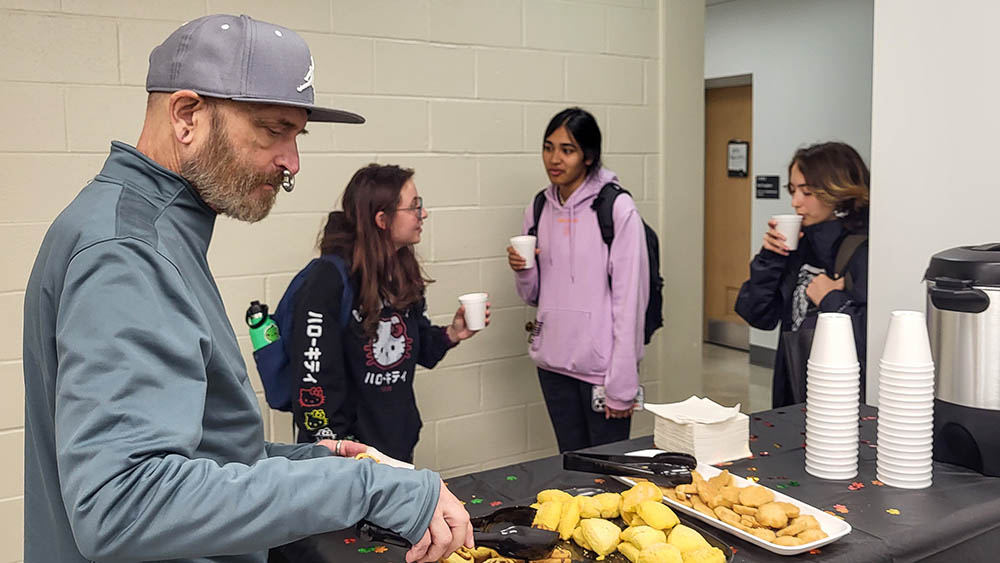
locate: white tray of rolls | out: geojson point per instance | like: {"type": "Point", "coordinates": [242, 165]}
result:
{"type": "Point", "coordinates": [834, 528]}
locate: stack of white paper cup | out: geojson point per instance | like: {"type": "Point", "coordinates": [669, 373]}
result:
{"type": "Point", "coordinates": [833, 377]}
{"type": "Point", "coordinates": [789, 226]}
{"type": "Point", "coordinates": [906, 403]}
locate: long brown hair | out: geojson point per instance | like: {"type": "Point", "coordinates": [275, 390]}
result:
{"type": "Point", "coordinates": [381, 271]}
{"type": "Point", "coordinates": [838, 176]}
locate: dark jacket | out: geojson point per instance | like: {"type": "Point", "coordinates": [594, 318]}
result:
{"type": "Point", "coordinates": [353, 386]}
{"type": "Point", "coordinates": [765, 300]}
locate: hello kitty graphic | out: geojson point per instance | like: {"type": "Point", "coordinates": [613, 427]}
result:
{"type": "Point", "coordinates": [391, 345]}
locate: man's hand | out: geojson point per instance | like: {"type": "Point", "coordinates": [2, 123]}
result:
{"type": "Point", "coordinates": [449, 529]}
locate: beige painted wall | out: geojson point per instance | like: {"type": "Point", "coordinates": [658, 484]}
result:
{"type": "Point", "coordinates": [460, 90]}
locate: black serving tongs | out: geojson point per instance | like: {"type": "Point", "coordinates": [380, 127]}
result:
{"type": "Point", "coordinates": [504, 531]}
{"type": "Point", "coordinates": [668, 468]}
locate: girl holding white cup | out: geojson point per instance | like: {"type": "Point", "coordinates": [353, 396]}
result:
{"type": "Point", "coordinates": [587, 338]}
{"type": "Point", "coordinates": [821, 268]}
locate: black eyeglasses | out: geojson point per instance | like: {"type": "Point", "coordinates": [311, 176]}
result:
{"type": "Point", "coordinates": [419, 207]}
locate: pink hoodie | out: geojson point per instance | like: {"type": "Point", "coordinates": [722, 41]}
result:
{"type": "Point", "coordinates": [587, 328]}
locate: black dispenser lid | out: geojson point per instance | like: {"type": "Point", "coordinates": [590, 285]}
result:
{"type": "Point", "coordinates": [979, 264]}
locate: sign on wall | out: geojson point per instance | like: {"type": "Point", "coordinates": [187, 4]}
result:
{"type": "Point", "coordinates": [768, 186]}
{"type": "Point", "coordinates": [738, 159]}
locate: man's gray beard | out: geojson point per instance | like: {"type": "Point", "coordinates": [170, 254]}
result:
{"type": "Point", "coordinates": [225, 182]}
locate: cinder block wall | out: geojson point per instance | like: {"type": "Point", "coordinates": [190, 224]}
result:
{"type": "Point", "coordinates": [458, 89]}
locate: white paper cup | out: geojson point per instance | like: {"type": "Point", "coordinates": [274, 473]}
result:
{"type": "Point", "coordinates": [906, 368]}
{"type": "Point", "coordinates": [904, 467]}
{"type": "Point", "coordinates": [833, 429]}
{"type": "Point", "coordinates": [908, 454]}
{"type": "Point", "coordinates": [909, 381]}
{"type": "Point", "coordinates": [903, 438]}
{"type": "Point", "coordinates": [891, 389]}
{"type": "Point", "coordinates": [833, 341]}
{"type": "Point", "coordinates": [789, 225]}
{"type": "Point", "coordinates": [525, 247]}
{"type": "Point", "coordinates": [831, 475]}
{"type": "Point", "coordinates": [831, 458]}
{"type": "Point", "coordinates": [906, 341]}
{"type": "Point", "coordinates": [902, 427]}
{"type": "Point", "coordinates": [822, 398]}
{"type": "Point", "coordinates": [825, 387]}
{"type": "Point", "coordinates": [475, 310]}
{"type": "Point", "coordinates": [819, 369]}
{"type": "Point", "coordinates": [902, 483]}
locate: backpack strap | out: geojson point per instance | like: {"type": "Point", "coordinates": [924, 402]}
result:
{"type": "Point", "coordinates": [538, 204]}
{"type": "Point", "coordinates": [848, 247]}
{"type": "Point", "coordinates": [347, 297]}
{"type": "Point", "coordinates": [604, 205]}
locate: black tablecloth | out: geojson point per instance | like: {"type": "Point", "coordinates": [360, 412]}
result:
{"type": "Point", "coordinates": [957, 519]}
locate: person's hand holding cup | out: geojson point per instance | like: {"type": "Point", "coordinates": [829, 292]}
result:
{"type": "Point", "coordinates": [472, 316]}
{"type": "Point", "coordinates": [784, 234]}
{"type": "Point", "coordinates": [521, 252]}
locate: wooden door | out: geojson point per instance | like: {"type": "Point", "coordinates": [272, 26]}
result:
{"type": "Point", "coordinates": [727, 215]}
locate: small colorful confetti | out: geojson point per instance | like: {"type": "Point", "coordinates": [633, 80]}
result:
{"type": "Point", "coordinates": [599, 481]}
{"type": "Point", "coordinates": [381, 549]}
{"type": "Point", "coordinates": [830, 512]}
{"type": "Point", "coordinates": [781, 486]}
{"type": "Point", "coordinates": [764, 454]}
{"type": "Point", "coordinates": [867, 418]}
{"type": "Point", "coordinates": [476, 501]}
{"type": "Point", "coordinates": [803, 409]}
{"type": "Point", "coordinates": [753, 437]}
{"type": "Point", "coordinates": [893, 511]}
{"type": "Point", "coordinates": [855, 486]}
{"type": "Point", "coordinates": [814, 552]}
{"type": "Point", "coordinates": [751, 469]}
{"type": "Point", "coordinates": [349, 541]}
{"type": "Point", "coordinates": [462, 501]}
{"type": "Point", "coordinates": [512, 477]}
{"type": "Point", "coordinates": [733, 547]}
{"type": "Point", "coordinates": [878, 483]}
{"type": "Point", "coordinates": [841, 508]}
{"type": "Point", "coordinates": [724, 464]}
{"type": "Point", "coordinates": [872, 446]}
{"type": "Point", "coordinates": [366, 549]}
{"type": "Point", "coordinates": [793, 483]}
{"type": "Point", "coordinates": [754, 478]}
{"type": "Point", "coordinates": [777, 445]}
{"type": "Point", "coordinates": [866, 441]}
{"type": "Point", "coordinates": [495, 503]}
{"type": "Point", "coordinates": [768, 424]}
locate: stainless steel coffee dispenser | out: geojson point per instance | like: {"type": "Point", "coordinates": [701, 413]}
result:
{"type": "Point", "coordinates": [963, 319]}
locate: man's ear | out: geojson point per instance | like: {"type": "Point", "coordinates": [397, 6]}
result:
{"type": "Point", "coordinates": [188, 112]}
{"type": "Point", "coordinates": [381, 221]}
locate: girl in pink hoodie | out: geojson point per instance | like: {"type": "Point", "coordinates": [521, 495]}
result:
{"type": "Point", "coordinates": [591, 298]}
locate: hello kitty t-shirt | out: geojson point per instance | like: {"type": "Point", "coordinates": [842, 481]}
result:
{"type": "Point", "coordinates": [352, 386]}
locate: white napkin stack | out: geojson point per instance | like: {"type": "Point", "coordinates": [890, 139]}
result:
{"type": "Point", "coordinates": [703, 428]}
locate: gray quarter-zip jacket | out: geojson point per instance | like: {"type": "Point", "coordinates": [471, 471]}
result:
{"type": "Point", "coordinates": [143, 437]}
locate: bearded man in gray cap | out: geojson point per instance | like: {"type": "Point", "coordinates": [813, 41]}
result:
{"type": "Point", "coordinates": [143, 437]}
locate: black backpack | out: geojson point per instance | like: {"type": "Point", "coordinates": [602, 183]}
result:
{"type": "Point", "coordinates": [604, 205]}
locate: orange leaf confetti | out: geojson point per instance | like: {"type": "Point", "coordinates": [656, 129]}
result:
{"type": "Point", "coordinates": [381, 549]}
{"type": "Point", "coordinates": [754, 478]}
{"type": "Point", "coordinates": [893, 511]}
{"type": "Point", "coordinates": [841, 508]}
{"type": "Point", "coordinates": [599, 481]}
{"type": "Point", "coordinates": [814, 552]}
{"type": "Point", "coordinates": [878, 483]}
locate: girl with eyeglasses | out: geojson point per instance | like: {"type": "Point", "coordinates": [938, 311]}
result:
{"type": "Point", "coordinates": [828, 272]}
{"type": "Point", "coordinates": [355, 380]}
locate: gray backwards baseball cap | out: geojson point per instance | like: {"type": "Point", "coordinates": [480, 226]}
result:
{"type": "Point", "coordinates": [241, 59]}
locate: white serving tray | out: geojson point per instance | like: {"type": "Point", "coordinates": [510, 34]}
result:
{"type": "Point", "coordinates": [834, 527]}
